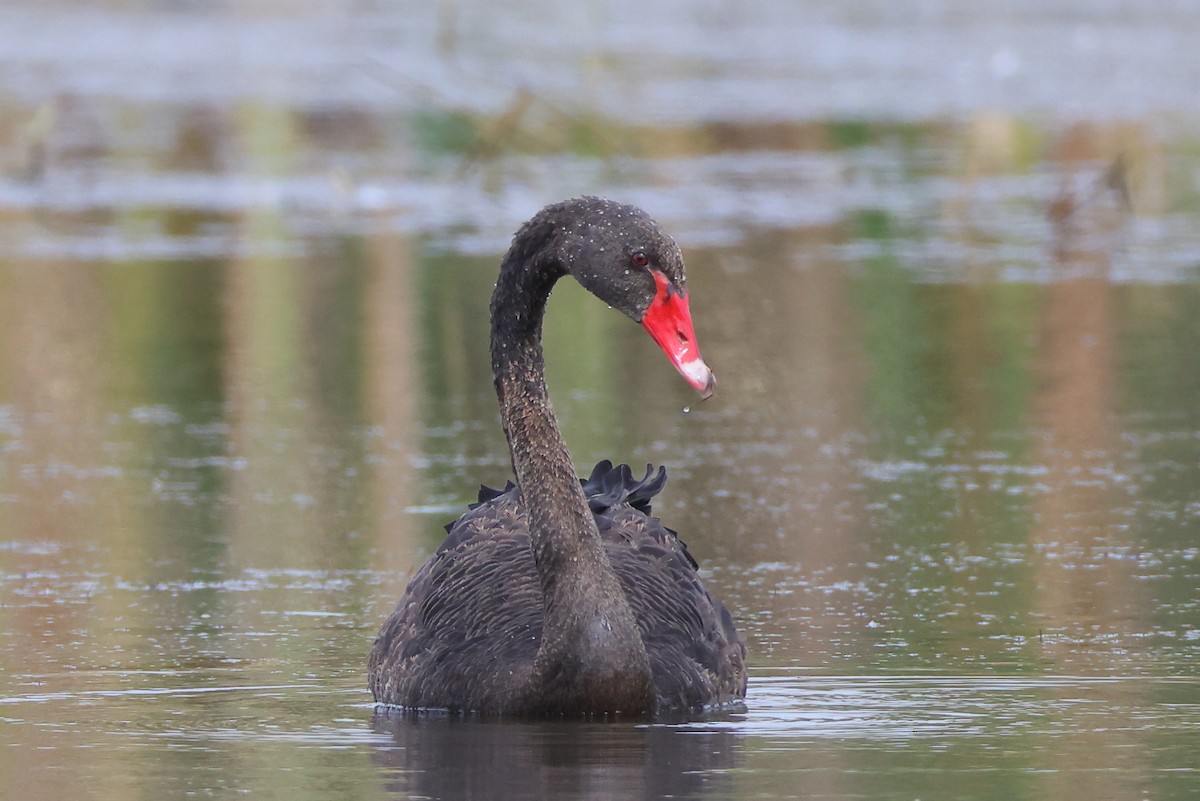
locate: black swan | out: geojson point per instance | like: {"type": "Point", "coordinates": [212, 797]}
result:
{"type": "Point", "coordinates": [558, 597]}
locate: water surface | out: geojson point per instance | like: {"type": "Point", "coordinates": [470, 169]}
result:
{"type": "Point", "coordinates": [948, 486]}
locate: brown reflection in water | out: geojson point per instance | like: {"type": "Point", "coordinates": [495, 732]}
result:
{"type": "Point", "coordinates": [820, 373]}
{"type": "Point", "coordinates": [1080, 445]}
{"type": "Point", "coordinates": [52, 373]}
{"type": "Point", "coordinates": [1084, 588]}
{"type": "Point", "coordinates": [1080, 510]}
{"type": "Point", "coordinates": [792, 346]}
{"type": "Point", "coordinates": [392, 390]}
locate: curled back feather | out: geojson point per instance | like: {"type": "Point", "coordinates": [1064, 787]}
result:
{"type": "Point", "coordinates": [606, 488]}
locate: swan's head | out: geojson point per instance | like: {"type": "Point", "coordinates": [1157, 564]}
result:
{"type": "Point", "coordinates": [621, 255]}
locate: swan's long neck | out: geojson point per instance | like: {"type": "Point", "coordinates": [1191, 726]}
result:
{"type": "Point", "coordinates": [592, 657]}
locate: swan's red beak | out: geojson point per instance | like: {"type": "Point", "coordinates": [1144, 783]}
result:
{"type": "Point", "coordinates": [669, 322]}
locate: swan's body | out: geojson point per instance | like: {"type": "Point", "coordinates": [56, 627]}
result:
{"type": "Point", "coordinates": [562, 597]}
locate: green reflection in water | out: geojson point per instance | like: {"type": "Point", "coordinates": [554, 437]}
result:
{"type": "Point", "coordinates": [894, 335]}
{"type": "Point", "coordinates": [163, 369]}
{"type": "Point", "coordinates": [165, 325]}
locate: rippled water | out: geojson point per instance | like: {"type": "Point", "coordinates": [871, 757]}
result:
{"type": "Point", "coordinates": [898, 662]}
{"type": "Point", "coordinates": [944, 264]}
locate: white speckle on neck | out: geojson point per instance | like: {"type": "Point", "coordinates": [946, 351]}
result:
{"type": "Point", "coordinates": [599, 631]}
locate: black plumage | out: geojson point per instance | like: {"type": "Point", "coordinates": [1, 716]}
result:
{"type": "Point", "coordinates": [556, 596]}
{"type": "Point", "coordinates": [472, 618]}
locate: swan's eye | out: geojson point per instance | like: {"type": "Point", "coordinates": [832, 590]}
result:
{"type": "Point", "coordinates": [639, 259]}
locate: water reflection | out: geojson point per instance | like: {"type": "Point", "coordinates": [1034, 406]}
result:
{"type": "Point", "coordinates": [437, 757]}
{"type": "Point", "coordinates": [812, 737]}
{"type": "Point", "coordinates": [947, 485]}
{"type": "Point", "coordinates": [1000, 504]}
